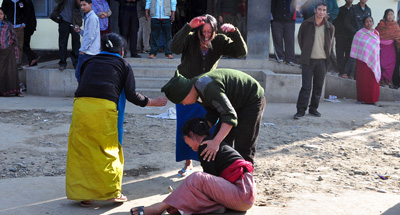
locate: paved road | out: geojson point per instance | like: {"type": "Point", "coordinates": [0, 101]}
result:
{"type": "Point", "coordinates": [46, 195]}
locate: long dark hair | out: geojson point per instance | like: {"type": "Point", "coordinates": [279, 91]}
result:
{"type": "Point", "coordinates": [198, 126]}
{"type": "Point", "coordinates": [210, 20]}
{"type": "Point", "coordinates": [4, 18]}
{"type": "Point", "coordinates": [386, 13]}
{"type": "Point", "coordinates": [113, 43]}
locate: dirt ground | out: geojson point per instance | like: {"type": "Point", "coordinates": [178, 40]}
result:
{"type": "Point", "coordinates": [342, 151]}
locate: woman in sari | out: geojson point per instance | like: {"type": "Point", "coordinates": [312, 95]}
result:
{"type": "Point", "coordinates": [389, 32]}
{"type": "Point", "coordinates": [102, 10]}
{"type": "Point", "coordinates": [365, 49]}
{"type": "Point", "coordinates": [201, 48]}
{"type": "Point", "coordinates": [9, 52]}
{"type": "Point", "coordinates": [226, 182]}
{"type": "Point", "coordinates": [95, 157]}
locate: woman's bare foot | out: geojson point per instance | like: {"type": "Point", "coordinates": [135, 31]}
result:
{"type": "Point", "coordinates": [156, 209]}
{"type": "Point", "coordinates": [186, 169]}
{"type": "Point", "coordinates": [121, 198]}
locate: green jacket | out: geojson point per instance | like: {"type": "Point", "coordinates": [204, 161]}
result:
{"type": "Point", "coordinates": [223, 92]}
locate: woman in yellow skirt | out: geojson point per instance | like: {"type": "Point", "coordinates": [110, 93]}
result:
{"type": "Point", "coordinates": [95, 158]}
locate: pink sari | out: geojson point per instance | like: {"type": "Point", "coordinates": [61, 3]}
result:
{"type": "Point", "coordinates": [203, 193]}
{"type": "Point", "coordinates": [388, 59]}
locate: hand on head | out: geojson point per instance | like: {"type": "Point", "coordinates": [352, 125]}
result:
{"type": "Point", "coordinates": [227, 27]}
{"type": "Point", "coordinates": [197, 21]}
{"type": "Point", "coordinates": [211, 150]}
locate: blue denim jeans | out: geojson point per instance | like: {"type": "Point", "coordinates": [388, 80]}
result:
{"type": "Point", "coordinates": [160, 28]}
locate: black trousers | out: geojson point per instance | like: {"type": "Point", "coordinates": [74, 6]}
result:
{"type": "Point", "coordinates": [283, 36]}
{"type": "Point", "coordinates": [64, 30]}
{"type": "Point", "coordinates": [128, 27]}
{"type": "Point", "coordinates": [343, 47]}
{"type": "Point", "coordinates": [244, 136]}
{"type": "Point", "coordinates": [31, 55]}
{"type": "Point", "coordinates": [313, 76]}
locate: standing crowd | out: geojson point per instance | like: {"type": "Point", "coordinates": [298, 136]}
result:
{"type": "Point", "coordinates": [362, 52]}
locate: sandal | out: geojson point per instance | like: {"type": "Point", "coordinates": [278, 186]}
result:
{"type": "Point", "coordinates": [121, 198]}
{"type": "Point", "coordinates": [184, 172]}
{"type": "Point", "coordinates": [20, 95]}
{"type": "Point", "coordinates": [34, 61]}
{"type": "Point", "coordinates": [139, 209]}
{"type": "Point", "coordinates": [344, 76]}
{"type": "Point", "coordinates": [87, 203]}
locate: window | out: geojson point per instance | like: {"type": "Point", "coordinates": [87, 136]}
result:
{"type": "Point", "coordinates": [43, 8]}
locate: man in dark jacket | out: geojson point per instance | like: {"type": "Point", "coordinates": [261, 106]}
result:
{"type": "Point", "coordinates": [355, 16]}
{"type": "Point", "coordinates": [283, 26]}
{"type": "Point", "coordinates": [16, 13]}
{"type": "Point", "coordinates": [315, 40]}
{"type": "Point", "coordinates": [70, 15]}
{"type": "Point", "coordinates": [30, 28]}
{"type": "Point", "coordinates": [353, 23]}
{"type": "Point", "coordinates": [343, 38]}
{"type": "Point", "coordinates": [128, 24]}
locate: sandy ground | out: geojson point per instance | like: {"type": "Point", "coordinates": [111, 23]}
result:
{"type": "Point", "coordinates": [327, 165]}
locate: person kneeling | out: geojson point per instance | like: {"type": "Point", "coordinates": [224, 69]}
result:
{"type": "Point", "coordinates": [227, 181]}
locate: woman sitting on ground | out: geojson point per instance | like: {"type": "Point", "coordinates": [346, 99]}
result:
{"type": "Point", "coordinates": [95, 158]}
{"type": "Point", "coordinates": [227, 181]}
{"type": "Point", "coordinates": [9, 52]}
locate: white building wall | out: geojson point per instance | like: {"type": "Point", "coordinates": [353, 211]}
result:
{"type": "Point", "coordinates": [46, 35]}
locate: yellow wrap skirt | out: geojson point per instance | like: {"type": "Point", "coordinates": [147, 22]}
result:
{"type": "Point", "coordinates": [95, 158]}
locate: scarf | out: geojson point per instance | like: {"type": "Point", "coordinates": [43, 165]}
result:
{"type": "Point", "coordinates": [366, 47]}
{"type": "Point", "coordinates": [389, 31]}
{"type": "Point", "coordinates": [236, 170]}
{"type": "Point", "coordinates": [8, 37]}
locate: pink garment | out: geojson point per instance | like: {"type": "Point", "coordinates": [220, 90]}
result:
{"type": "Point", "coordinates": [367, 87]}
{"type": "Point", "coordinates": [203, 193]}
{"type": "Point", "coordinates": [365, 47]}
{"type": "Point", "coordinates": [235, 171]}
{"type": "Point", "coordinates": [388, 59]}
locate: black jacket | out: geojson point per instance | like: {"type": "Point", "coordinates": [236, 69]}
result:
{"type": "Point", "coordinates": [339, 23]}
{"type": "Point", "coordinates": [283, 10]}
{"type": "Point", "coordinates": [354, 18]}
{"type": "Point", "coordinates": [31, 22]}
{"type": "Point", "coordinates": [105, 76]}
{"type": "Point", "coordinates": [21, 11]}
{"type": "Point", "coordinates": [225, 156]}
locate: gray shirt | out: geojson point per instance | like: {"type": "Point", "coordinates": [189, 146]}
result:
{"type": "Point", "coordinates": [66, 13]}
{"type": "Point", "coordinates": [91, 35]}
